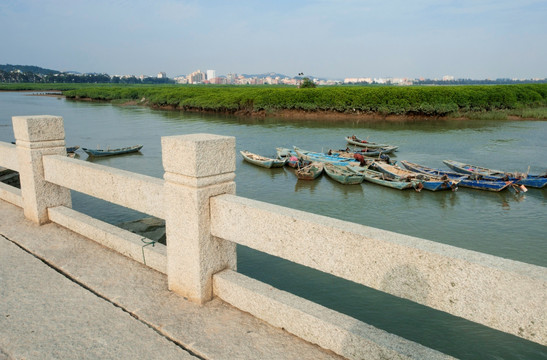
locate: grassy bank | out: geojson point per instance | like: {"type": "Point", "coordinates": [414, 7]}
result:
{"type": "Point", "coordinates": [474, 101]}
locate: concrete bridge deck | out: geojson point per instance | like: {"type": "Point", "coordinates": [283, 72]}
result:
{"type": "Point", "coordinates": [63, 296]}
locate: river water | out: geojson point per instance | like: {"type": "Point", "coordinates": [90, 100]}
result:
{"type": "Point", "coordinates": [505, 224]}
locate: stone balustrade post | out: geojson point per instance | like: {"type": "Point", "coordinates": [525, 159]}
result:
{"type": "Point", "coordinates": [35, 137]}
{"type": "Point", "coordinates": [197, 167]}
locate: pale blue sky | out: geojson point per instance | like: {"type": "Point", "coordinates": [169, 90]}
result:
{"type": "Point", "coordinates": [334, 39]}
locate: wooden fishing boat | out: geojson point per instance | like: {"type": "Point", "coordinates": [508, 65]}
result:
{"type": "Point", "coordinates": [310, 171]}
{"type": "Point", "coordinates": [383, 179]}
{"type": "Point", "coordinates": [350, 154]}
{"type": "Point", "coordinates": [111, 152]}
{"type": "Point", "coordinates": [371, 152]}
{"type": "Point", "coordinates": [354, 140]}
{"type": "Point", "coordinates": [343, 175]}
{"type": "Point", "coordinates": [429, 182]}
{"type": "Point", "coordinates": [536, 181]}
{"type": "Point", "coordinates": [291, 156]}
{"type": "Point", "coordinates": [464, 180]}
{"type": "Point", "coordinates": [261, 160]}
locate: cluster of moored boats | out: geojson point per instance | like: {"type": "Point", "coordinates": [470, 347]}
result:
{"type": "Point", "coordinates": [371, 162]}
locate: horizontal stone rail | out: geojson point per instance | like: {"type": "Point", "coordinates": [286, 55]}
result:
{"type": "Point", "coordinates": [135, 191]}
{"type": "Point", "coordinates": [122, 241]}
{"type": "Point", "coordinates": [503, 294]}
{"type": "Point", "coordinates": [8, 159]}
{"type": "Point", "coordinates": [8, 156]}
{"type": "Point", "coordinates": [327, 328]}
{"type": "Point", "coordinates": [11, 194]}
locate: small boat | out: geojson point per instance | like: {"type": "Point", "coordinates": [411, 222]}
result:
{"type": "Point", "coordinates": [344, 175]}
{"type": "Point", "coordinates": [429, 182]}
{"type": "Point", "coordinates": [291, 156]}
{"type": "Point", "coordinates": [111, 152]}
{"type": "Point", "coordinates": [262, 161]}
{"type": "Point", "coordinates": [367, 155]}
{"type": "Point", "coordinates": [310, 171]}
{"type": "Point", "coordinates": [383, 179]}
{"type": "Point", "coordinates": [366, 151]}
{"type": "Point", "coordinates": [354, 140]}
{"type": "Point", "coordinates": [536, 181]}
{"type": "Point", "coordinates": [465, 180]}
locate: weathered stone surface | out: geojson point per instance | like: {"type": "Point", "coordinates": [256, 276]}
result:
{"type": "Point", "coordinates": [198, 155]}
{"type": "Point", "coordinates": [135, 191]}
{"type": "Point", "coordinates": [134, 246]}
{"type": "Point", "coordinates": [340, 333]}
{"type": "Point", "coordinates": [194, 172]}
{"type": "Point", "coordinates": [38, 128]}
{"type": "Point", "coordinates": [213, 331]}
{"type": "Point", "coordinates": [38, 136]}
{"type": "Point", "coordinates": [44, 315]}
{"type": "Point", "coordinates": [8, 156]}
{"type": "Point", "coordinates": [506, 295]}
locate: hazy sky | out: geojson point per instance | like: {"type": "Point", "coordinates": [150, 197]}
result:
{"type": "Point", "coordinates": [334, 39]}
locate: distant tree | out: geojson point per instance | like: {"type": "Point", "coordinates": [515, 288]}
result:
{"type": "Point", "coordinates": [307, 83]}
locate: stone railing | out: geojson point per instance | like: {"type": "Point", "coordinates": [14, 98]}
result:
{"type": "Point", "coordinates": [205, 220]}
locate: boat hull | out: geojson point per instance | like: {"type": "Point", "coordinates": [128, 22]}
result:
{"type": "Point", "coordinates": [112, 152]}
{"type": "Point", "coordinates": [262, 161]}
{"type": "Point", "coordinates": [342, 175]}
{"type": "Point", "coordinates": [379, 178]}
{"type": "Point", "coordinates": [428, 182]}
{"type": "Point", "coordinates": [370, 145]}
{"type": "Point", "coordinates": [310, 172]}
{"type": "Point", "coordinates": [535, 181]}
{"type": "Point", "coordinates": [488, 185]}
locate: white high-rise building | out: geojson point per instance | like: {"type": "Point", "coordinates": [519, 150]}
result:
{"type": "Point", "coordinates": [211, 74]}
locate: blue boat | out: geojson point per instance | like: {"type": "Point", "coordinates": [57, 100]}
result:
{"type": "Point", "coordinates": [535, 181]}
{"type": "Point", "coordinates": [429, 182]}
{"type": "Point", "coordinates": [334, 159]}
{"type": "Point", "coordinates": [111, 152]}
{"type": "Point", "coordinates": [465, 181]}
{"type": "Point", "coordinates": [72, 149]}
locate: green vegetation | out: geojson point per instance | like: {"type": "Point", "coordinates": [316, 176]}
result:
{"type": "Point", "coordinates": [307, 83]}
{"type": "Point", "coordinates": [474, 101]}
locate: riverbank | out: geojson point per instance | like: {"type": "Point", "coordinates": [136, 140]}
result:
{"type": "Point", "coordinates": [497, 102]}
{"type": "Point", "coordinates": [354, 103]}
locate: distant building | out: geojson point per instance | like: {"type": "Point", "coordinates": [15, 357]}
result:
{"type": "Point", "coordinates": [181, 80]}
{"type": "Point", "coordinates": [231, 78]}
{"type": "Point", "coordinates": [448, 78]}
{"type": "Point", "coordinates": [197, 77]}
{"type": "Point", "coordinates": [211, 74]}
{"type": "Point", "coordinates": [162, 75]}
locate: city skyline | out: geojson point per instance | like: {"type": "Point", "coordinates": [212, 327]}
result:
{"type": "Point", "coordinates": [330, 39]}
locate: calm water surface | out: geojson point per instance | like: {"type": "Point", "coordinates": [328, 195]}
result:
{"type": "Point", "coordinates": [504, 224]}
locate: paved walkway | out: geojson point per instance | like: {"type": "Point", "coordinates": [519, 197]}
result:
{"type": "Point", "coordinates": [63, 296]}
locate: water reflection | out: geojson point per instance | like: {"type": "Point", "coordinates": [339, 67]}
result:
{"type": "Point", "coordinates": [310, 185]}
